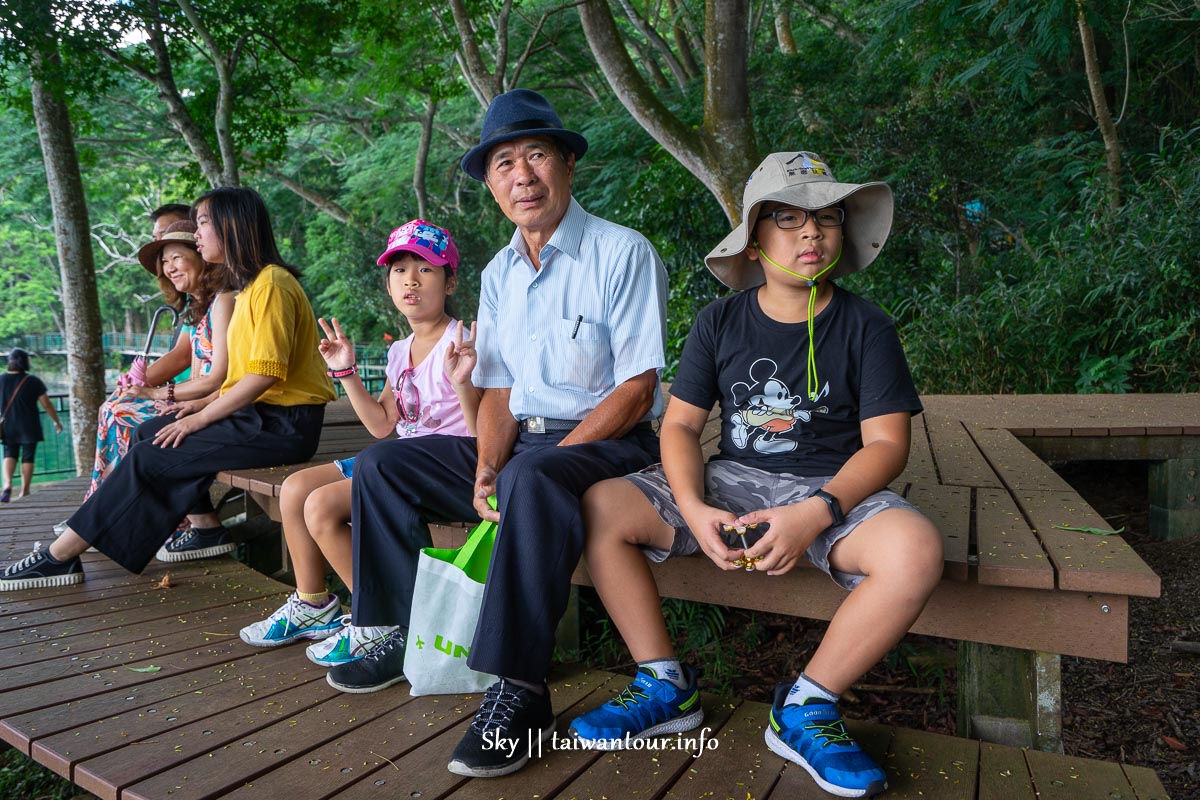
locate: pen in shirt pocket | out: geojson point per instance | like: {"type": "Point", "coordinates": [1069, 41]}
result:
{"type": "Point", "coordinates": [578, 322]}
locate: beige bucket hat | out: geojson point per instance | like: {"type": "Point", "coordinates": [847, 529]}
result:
{"type": "Point", "coordinates": [805, 181]}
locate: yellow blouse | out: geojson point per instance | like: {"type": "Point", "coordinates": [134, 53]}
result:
{"type": "Point", "coordinates": [273, 332]}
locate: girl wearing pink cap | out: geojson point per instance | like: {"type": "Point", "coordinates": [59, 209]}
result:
{"type": "Point", "coordinates": [428, 391]}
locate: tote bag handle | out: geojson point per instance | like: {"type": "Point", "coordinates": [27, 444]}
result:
{"type": "Point", "coordinates": [475, 555]}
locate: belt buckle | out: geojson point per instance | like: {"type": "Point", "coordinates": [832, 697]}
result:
{"type": "Point", "coordinates": [535, 424]}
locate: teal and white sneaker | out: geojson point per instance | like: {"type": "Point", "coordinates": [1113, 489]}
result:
{"type": "Point", "coordinates": [814, 736]}
{"type": "Point", "coordinates": [294, 620]}
{"type": "Point", "coordinates": [350, 644]}
{"type": "Point", "coordinates": [645, 708]}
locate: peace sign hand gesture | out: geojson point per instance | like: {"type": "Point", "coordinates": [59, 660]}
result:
{"type": "Point", "coordinates": [461, 357]}
{"type": "Point", "coordinates": [336, 348]}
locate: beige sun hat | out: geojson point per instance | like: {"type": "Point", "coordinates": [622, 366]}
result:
{"type": "Point", "coordinates": [803, 180]}
{"type": "Point", "coordinates": [181, 232]}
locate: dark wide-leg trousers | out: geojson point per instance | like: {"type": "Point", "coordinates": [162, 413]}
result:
{"type": "Point", "coordinates": [139, 504]}
{"type": "Point", "coordinates": [400, 486]}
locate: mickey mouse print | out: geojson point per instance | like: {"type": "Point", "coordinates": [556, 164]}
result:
{"type": "Point", "coordinates": [766, 410]}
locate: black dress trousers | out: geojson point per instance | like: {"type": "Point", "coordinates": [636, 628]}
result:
{"type": "Point", "coordinates": [400, 486]}
{"type": "Point", "coordinates": [139, 504]}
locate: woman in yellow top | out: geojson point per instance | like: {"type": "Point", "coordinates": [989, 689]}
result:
{"type": "Point", "coordinates": [269, 411]}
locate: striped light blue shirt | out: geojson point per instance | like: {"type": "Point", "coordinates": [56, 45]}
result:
{"type": "Point", "coordinates": [563, 337]}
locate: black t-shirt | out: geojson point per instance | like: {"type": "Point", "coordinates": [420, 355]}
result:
{"type": "Point", "coordinates": [757, 369]}
{"type": "Point", "coordinates": [21, 424]}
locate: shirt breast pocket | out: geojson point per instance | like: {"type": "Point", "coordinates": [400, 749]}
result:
{"type": "Point", "coordinates": [578, 357]}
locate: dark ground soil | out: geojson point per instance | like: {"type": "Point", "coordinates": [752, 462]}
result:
{"type": "Point", "coordinates": [1146, 712]}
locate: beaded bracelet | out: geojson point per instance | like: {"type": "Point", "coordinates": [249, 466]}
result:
{"type": "Point", "coordinates": [342, 373]}
{"type": "Point", "coordinates": [171, 392]}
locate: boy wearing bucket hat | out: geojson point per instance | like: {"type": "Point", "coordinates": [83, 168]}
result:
{"type": "Point", "coordinates": [815, 398]}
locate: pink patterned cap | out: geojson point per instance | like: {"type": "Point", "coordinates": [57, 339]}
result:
{"type": "Point", "coordinates": [425, 239]}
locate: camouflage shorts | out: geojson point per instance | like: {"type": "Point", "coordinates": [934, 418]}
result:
{"type": "Point", "coordinates": [741, 489]}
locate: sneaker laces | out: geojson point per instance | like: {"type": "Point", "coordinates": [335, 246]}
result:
{"type": "Point", "coordinates": [183, 538]}
{"type": "Point", "coordinates": [28, 561]}
{"type": "Point", "coordinates": [833, 733]}
{"type": "Point", "coordinates": [630, 695]}
{"type": "Point", "coordinates": [285, 613]}
{"type": "Point", "coordinates": [393, 639]}
{"type": "Point", "coordinates": [496, 710]}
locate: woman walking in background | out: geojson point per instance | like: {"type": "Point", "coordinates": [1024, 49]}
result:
{"type": "Point", "coordinates": [20, 427]}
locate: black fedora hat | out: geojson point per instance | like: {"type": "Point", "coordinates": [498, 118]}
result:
{"type": "Point", "coordinates": [515, 115]}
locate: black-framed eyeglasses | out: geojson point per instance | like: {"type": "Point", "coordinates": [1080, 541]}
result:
{"type": "Point", "coordinates": [790, 218]}
{"type": "Point", "coordinates": [408, 397]}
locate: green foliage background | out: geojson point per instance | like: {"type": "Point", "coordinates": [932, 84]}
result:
{"type": "Point", "coordinates": [955, 103]}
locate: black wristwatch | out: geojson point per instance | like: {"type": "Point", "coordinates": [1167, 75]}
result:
{"type": "Point", "coordinates": [835, 508]}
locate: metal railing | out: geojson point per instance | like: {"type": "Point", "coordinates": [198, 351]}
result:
{"type": "Point", "coordinates": [55, 459]}
{"type": "Point", "coordinates": [128, 343]}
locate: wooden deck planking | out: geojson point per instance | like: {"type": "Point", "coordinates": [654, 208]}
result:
{"type": "Point", "coordinates": [369, 750]}
{"type": "Point", "coordinates": [422, 772]}
{"type": "Point", "coordinates": [1145, 783]}
{"type": "Point", "coordinates": [79, 637]}
{"type": "Point", "coordinates": [147, 725]}
{"type": "Point", "coordinates": [741, 762]}
{"type": "Point", "coordinates": [1018, 466]}
{"type": "Point", "coordinates": [920, 466]}
{"type": "Point", "coordinates": [1058, 777]}
{"type": "Point", "coordinates": [1003, 774]}
{"type": "Point", "coordinates": [46, 729]}
{"type": "Point", "coordinates": [31, 731]}
{"type": "Point", "coordinates": [927, 766]}
{"type": "Point", "coordinates": [1009, 553]}
{"type": "Point", "coordinates": [1085, 562]}
{"type": "Point", "coordinates": [1151, 412]}
{"type": "Point", "coordinates": [637, 773]}
{"type": "Point", "coordinates": [959, 462]}
{"type": "Point", "coordinates": [238, 728]}
{"type": "Point", "coordinates": [949, 507]}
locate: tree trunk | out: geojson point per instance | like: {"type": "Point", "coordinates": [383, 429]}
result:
{"type": "Point", "coordinates": [224, 64]}
{"type": "Point", "coordinates": [72, 236]}
{"type": "Point", "coordinates": [422, 159]}
{"type": "Point", "coordinates": [168, 92]}
{"type": "Point", "coordinates": [657, 43]}
{"type": "Point", "coordinates": [682, 44]}
{"type": "Point", "coordinates": [834, 23]}
{"type": "Point", "coordinates": [722, 153]}
{"type": "Point", "coordinates": [733, 152]}
{"type": "Point", "coordinates": [783, 28]}
{"type": "Point", "coordinates": [321, 202]}
{"type": "Point", "coordinates": [1108, 130]}
{"type": "Point", "coordinates": [482, 82]}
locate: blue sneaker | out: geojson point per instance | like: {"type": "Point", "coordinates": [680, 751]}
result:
{"type": "Point", "coordinates": [814, 736]}
{"type": "Point", "coordinates": [645, 708]}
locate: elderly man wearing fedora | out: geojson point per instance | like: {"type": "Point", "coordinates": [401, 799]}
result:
{"type": "Point", "coordinates": [571, 342]}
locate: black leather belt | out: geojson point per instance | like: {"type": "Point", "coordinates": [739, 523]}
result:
{"type": "Point", "coordinates": [548, 424]}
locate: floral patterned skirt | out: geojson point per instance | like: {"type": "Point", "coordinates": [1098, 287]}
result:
{"type": "Point", "coordinates": [117, 419]}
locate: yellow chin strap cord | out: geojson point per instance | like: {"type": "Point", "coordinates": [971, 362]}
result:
{"type": "Point", "coordinates": [811, 283]}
